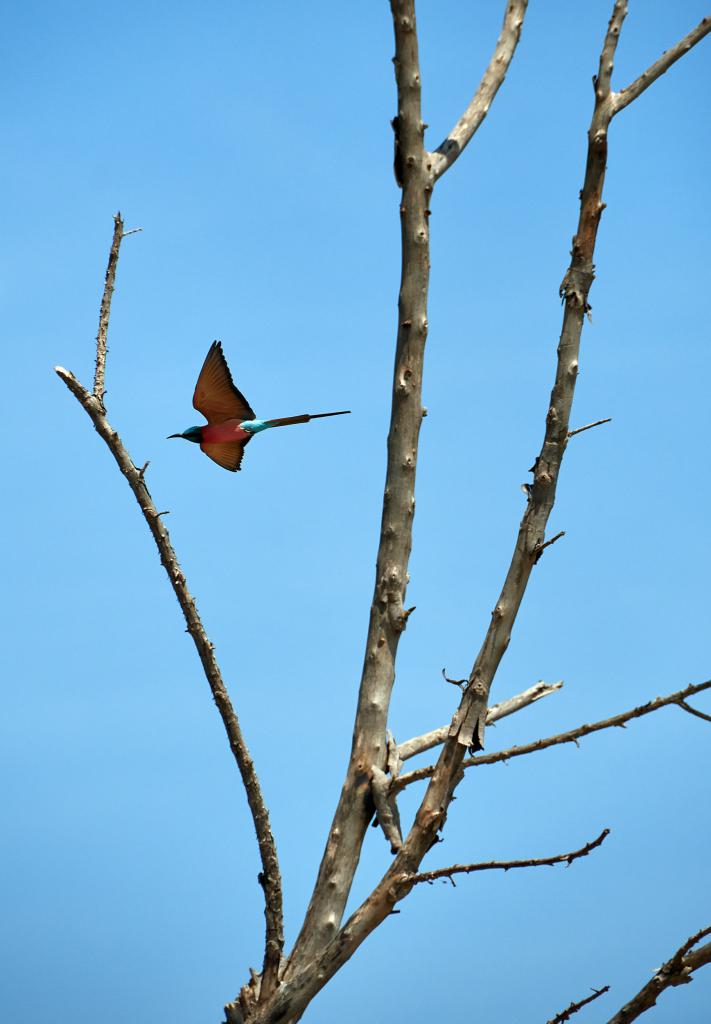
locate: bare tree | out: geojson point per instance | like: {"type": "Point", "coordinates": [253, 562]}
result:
{"type": "Point", "coordinates": [287, 983]}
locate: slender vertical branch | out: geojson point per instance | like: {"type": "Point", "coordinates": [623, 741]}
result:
{"type": "Point", "coordinates": [305, 979]}
{"type": "Point", "coordinates": [270, 877]}
{"type": "Point", "coordinates": [105, 310]}
{"type": "Point", "coordinates": [468, 723]}
{"type": "Point", "coordinates": [388, 617]}
{"type": "Point", "coordinates": [416, 172]}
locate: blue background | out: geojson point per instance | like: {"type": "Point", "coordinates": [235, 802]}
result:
{"type": "Point", "coordinates": [252, 144]}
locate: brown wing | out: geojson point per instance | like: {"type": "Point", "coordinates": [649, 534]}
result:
{"type": "Point", "coordinates": [216, 396]}
{"type": "Point", "coordinates": [228, 454]}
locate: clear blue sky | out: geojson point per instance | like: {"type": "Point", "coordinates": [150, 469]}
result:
{"type": "Point", "coordinates": [252, 144]}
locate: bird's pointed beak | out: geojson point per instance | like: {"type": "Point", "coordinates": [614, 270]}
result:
{"type": "Point", "coordinates": [173, 435]}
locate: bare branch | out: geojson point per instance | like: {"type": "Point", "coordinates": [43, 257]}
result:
{"type": "Point", "coordinates": [465, 128]}
{"type": "Point", "coordinates": [105, 310]}
{"type": "Point", "coordinates": [540, 548]}
{"type": "Point", "coordinates": [418, 744]}
{"type": "Point", "coordinates": [589, 426]}
{"type": "Point", "coordinates": [694, 711]}
{"type": "Point", "coordinates": [568, 1012]}
{"type": "Point", "coordinates": [676, 971]}
{"type": "Point", "coordinates": [270, 876]}
{"type": "Point", "coordinates": [622, 99]}
{"type": "Point", "coordinates": [572, 736]}
{"type": "Point", "coordinates": [609, 47]}
{"type": "Point", "coordinates": [506, 865]}
{"type": "Point", "coordinates": [322, 947]}
{"type": "Point", "coordinates": [468, 723]}
{"type": "Point", "coordinates": [388, 616]}
{"type": "Point", "coordinates": [522, 700]}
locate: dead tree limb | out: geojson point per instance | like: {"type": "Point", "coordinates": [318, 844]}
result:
{"type": "Point", "coordinates": [270, 877]}
{"type": "Point", "coordinates": [467, 125]}
{"type": "Point", "coordinates": [105, 310]}
{"type": "Point", "coordinates": [625, 96]}
{"type": "Point", "coordinates": [678, 970]}
{"type": "Point", "coordinates": [507, 865]}
{"type": "Point", "coordinates": [571, 736]}
{"type": "Point", "coordinates": [588, 426]}
{"type": "Point", "coordinates": [418, 744]}
{"type": "Point", "coordinates": [322, 948]}
{"type": "Point", "coordinates": [568, 1012]}
{"type": "Point", "coordinates": [467, 724]}
{"type": "Point", "coordinates": [417, 175]}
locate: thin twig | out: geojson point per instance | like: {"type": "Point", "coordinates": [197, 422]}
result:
{"type": "Point", "coordinates": [465, 128]}
{"type": "Point", "coordinates": [454, 682]}
{"type": "Point", "coordinates": [568, 1012]}
{"type": "Point", "coordinates": [105, 310]}
{"type": "Point", "coordinates": [589, 426]}
{"type": "Point", "coordinates": [625, 96]}
{"type": "Point", "coordinates": [677, 970]}
{"type": "Point", "coordinates": [694, 711]}
{"type": "Point", "coordinates": [506, 865]}
{"type": "Point", "coordinates": [418, 744]}
{"type": "Point", "coordinates": [572, 736]}
{"type": "Point", "coordinates": [546, 544]}
{"type": "Point", "coordinates": [270, 877]}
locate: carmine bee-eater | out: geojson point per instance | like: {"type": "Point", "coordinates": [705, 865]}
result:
{"type": "Point", "coordinates": [231, 422]}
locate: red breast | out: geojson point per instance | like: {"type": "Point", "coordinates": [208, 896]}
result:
{"type": "Point", "coordinates": [218, 433]}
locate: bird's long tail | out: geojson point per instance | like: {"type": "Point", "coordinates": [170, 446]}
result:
{"type": "Point", "coordinates": [287, 420]}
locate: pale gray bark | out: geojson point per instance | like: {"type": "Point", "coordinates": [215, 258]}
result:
{"type": "Point", "coordinates": [418, 171]}
{"type": "Point", "coordinates": [433, 738]}
{"type": "Point", "coordinates": [467, 125]}
{"type": "Point", "coordinates": [105, 310]}
{"type": "Point", "coordinates": [283, 990]}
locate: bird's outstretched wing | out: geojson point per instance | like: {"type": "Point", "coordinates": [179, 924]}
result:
{"type": "Point", "coordinates": [216, 396]}
{"type": "Point", "coordinates": [227, 454]}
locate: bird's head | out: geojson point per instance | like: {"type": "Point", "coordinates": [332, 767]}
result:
{"type": "Point", "coordinates": [191, 434]}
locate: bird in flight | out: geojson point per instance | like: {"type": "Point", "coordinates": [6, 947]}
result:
{"type": "Point", "coordinates": [231, 422]}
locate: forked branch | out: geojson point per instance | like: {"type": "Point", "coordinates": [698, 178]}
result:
{"type": "Point", "coordinates": [571, 736]}
{"type": "Point", "coordinates": [317, 957]}
{"type": "Point", "coordinates": [678, 970]}
{"type": "Point", "coordinates": [92, 404]}
{"type": "Point", "coordinates": [467, 725]}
